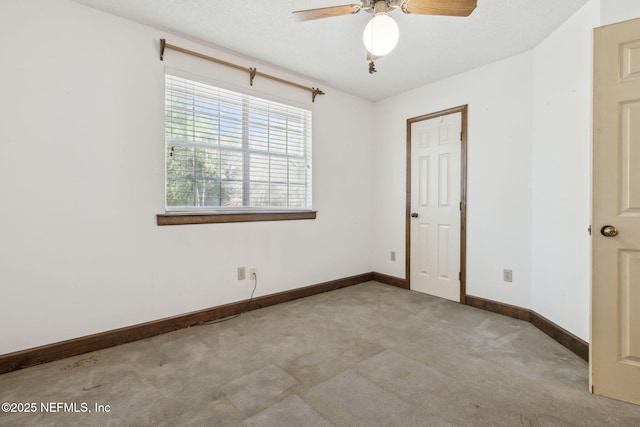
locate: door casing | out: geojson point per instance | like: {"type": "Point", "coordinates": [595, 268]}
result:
{"type": "Point", "coordinates": [463, 110]}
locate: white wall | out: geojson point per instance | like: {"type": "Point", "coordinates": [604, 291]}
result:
{"type": "Point", "coordinates": [529, 170]}
{"type": "Point", "coordinates": [561, 159]}
{"type": "Point", "coordinates": [499, 174]}
{"type": "Point", "coordinates": [82, 169]}
{"type": "Point", "coordinates": [612, 11]}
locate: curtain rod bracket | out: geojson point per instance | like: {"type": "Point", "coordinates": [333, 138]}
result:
{"type": "Point", "coordinates": [315, 91]}
{"type": "Point", "coordinates": [163, 42]}
{"type": "Point", "coordinates": [252, 75]}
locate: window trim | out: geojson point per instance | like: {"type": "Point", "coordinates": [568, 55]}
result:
{"type": "Point", "coordinates": [227, 217]}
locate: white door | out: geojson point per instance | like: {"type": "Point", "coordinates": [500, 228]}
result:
{"type": "Point", "coordinates": [615, 294]}
{"type": "Point", "coordinates": [435, 206]}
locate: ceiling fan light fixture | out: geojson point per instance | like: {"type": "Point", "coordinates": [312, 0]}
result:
{"type": "Point", "coordinates": [381, 34]}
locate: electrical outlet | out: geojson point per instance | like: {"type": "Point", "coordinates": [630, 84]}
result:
{"type": "Point", "coordinates": [507, 275]}
{"type": "Point", "coordinates": [253, 272]}
{"type": "Point", "coordinates": [393, 255]}
{"type": "Point", "coordinates": [242, 273]}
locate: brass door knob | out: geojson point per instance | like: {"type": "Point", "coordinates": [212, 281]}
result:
{"type": "Point", "coordinates": [609, 231]}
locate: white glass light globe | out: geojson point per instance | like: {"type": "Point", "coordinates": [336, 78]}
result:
{"type": "Point", "coordinates": [381, 34]}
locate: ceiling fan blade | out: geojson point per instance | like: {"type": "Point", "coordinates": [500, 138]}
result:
{"type": "Point", "coordinates": [326, 12]}
{"type": "Point", "coordinates": [439, 7]}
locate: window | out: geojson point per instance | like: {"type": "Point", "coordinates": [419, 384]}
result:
{"type": "Point", "coordinates": [231, 152]}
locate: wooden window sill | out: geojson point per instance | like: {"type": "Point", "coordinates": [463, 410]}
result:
{"type": "Point", "coordinates": [183, 219]}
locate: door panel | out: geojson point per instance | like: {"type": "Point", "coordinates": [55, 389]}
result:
{"type": "Point", "coordinates": [435, 146]}
{"type": "Point", "coordinates": [629, 317]}
{"type": "Point", "coordinates": [630, 160]}
{"type": "Point", "coordinates": [444, 259]}
{"type": "Point", "coordinates": [423, 182]}
{"type": "Point", "coordinates": [630, 60]}
{"type": "Point", "coordinates": [423, 252]}
{"type": "Point", "coordinates": [444, 180]}
{"type": "Point", "coordinates": [615, 289]}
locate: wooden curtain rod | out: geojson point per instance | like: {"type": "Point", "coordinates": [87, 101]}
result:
{"type": "Point", "coordinates": [253, 72]}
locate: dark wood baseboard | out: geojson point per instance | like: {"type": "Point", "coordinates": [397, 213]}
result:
{"type": "Point", "coordinates": [390, 280]}
{"type": "Point", "coordinates": [73, 347]}
{"type": "Point", "coordinates": [499, 307]}
{"type": "Point", "coordinates": [564, 337]}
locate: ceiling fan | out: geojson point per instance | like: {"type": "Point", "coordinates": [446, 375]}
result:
{"type": "Point", "coordinates": [381, 33]}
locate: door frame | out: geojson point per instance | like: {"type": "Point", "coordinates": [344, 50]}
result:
{"type": "Point", "coordinates": [463, 109]}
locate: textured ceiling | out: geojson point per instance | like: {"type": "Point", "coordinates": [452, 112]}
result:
{"type": "Point", "coordinates": [330, 51]}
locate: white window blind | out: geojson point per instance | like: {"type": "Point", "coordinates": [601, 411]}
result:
{"type": "Point", "coordinates": [230, 151]}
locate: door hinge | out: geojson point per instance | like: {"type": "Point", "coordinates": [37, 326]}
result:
{"type": "Point", "coordinates": [589, 229]}
{"type": "Point", "coordinates": [459, 275]}
{"type": "Point", "coordinates": [460, 206]}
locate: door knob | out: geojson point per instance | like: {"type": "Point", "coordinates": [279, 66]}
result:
{"type": "Point", "coordinates": [414, 215]}
{"type": "Point", "coordinates": [609, 231]}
